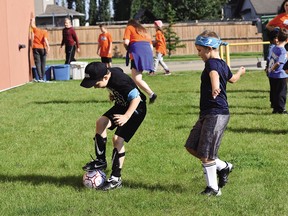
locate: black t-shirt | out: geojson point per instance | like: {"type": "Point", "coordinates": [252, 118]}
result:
{"type": "Point", "coordinates": [219, 105]}
{"type": "Point", "coordinates": [123, 88]}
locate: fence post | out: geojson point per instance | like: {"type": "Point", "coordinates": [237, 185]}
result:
{"type": "Point", "coordinates": [221, 52]}
{"type": "Point", "coordinates": [228, 61]}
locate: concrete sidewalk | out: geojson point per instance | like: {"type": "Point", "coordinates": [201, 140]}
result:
{"type": "Point", "coordinates": [248, 63]}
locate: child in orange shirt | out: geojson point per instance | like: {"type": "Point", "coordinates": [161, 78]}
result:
{"type": "Point", "coordinates": [105, 46]}
{"type": "Point", "coordinates": [160, 46]}
{"type": "Point", "coordinates": [40, 47]}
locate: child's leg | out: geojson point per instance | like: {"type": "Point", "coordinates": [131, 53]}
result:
{"type": "Point", "coordinates": [137, 77]}
{"type": "Point", "coordinates": [156, 61]}
{"type": "Point", "coordinates": [282, 94]}
{"type": "Point", "coordinates": [100, 145]}
{"type": "Point", "coordinates": [101, 137]}
{"type": "Point", "coordinates": [209, 168]}
{"type": "Point", "coordinates": [162, 63]}
{"type": "Point", "coordinates": [118, 156]}
{"type": "Point", "coordinates": [224, 168]}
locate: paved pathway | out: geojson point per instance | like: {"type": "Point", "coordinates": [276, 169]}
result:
{"type": "Point", "coordinates": [248, 63]}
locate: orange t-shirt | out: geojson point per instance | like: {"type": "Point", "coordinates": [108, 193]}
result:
{"type": "Point", "coordinates": [105, 40]}
{"type": "Point", "coordinates": [38, 39]}
{"type": "Point", "coordinates": [131, 34]}
{"type": "Point", "coordinates": [280, 21]}
{"type": "Point", "coordinates": [160, 43]}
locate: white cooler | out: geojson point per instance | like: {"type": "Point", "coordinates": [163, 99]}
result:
{"type": "Point", "coordinates": [78, 70]}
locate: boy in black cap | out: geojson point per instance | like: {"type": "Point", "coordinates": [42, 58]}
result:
{"type": "Point", "coordinates": [126, 116]}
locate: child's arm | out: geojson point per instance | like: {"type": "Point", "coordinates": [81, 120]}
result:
{"type": "Point", "coordinates": [241, 71]}
{"type": "Point", "coordinates": [215, 83]}
{"type": "Point", "coordinates": [275, 66]}
{"type": "Point", "coordinates": [122, 119]}
{"type": "Point", "coordinates": [47, 44]}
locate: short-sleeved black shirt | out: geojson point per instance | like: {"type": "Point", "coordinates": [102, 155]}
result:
{"type": "Point", "coordinates": [209, 105]}
{"type": "Point", "coordinates": [121, 85]}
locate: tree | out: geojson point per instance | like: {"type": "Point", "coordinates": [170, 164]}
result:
{"type": "Point", "coordinates": [122, 9]}
{"type": "Point", "coordinates": [92, 13]}
{"type": "Point", "coordinates": [104, 13]}
{"type": "Point", "coordinates": [198, 10]}
{"type": "Point", "coordinates": [172, 40]}
{"type": "Point", "coordinates": [81, 9]}
{"type": "Point", "coordinates": [185, 9]}
{"type": "Point", "coordinates": [70, 4]}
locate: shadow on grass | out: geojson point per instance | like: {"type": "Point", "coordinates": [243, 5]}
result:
{"type": "Point", "coordinates": [247, 90]}
{"type": "Point", "coordinates": [257, 130]}
{"type": "Point", "coordinates": [154, 187]}
{"type": "Point", "coordinates": [71, 181]}
{"type": "Point", "coordinates": [76, 182]}
{"type": "Point", "coordinates": [69, 102]}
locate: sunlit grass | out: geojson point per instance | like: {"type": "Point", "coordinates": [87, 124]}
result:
{"type": "Point", "coordinates": [46, 137]}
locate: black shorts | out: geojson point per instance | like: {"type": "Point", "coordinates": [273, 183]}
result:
{"type": "Point", "coordinates": [127, 130]}
{"type": "Point", "coordinates": [133, 65]}
{"type": "Point", "coordinates": [106, 60]}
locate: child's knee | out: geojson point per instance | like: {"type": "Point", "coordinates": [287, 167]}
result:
{"type": "Point", "coordinates": [102, 123]}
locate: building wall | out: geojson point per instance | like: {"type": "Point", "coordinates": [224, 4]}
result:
{"type": "Point", "coordinates": [15, 18]}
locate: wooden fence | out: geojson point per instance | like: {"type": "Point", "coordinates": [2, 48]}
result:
{"type": "Point", "coordinates": [231, 32]}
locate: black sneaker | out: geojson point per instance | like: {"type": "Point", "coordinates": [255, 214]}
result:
{"type": "Point", "coordinates": [167, 72]}
{"type": "Point", "coordinates": [112, 183]}
{"type": "Point", "coordinates": [211, 192]}
{"type": "Point", "coordinates": [223, 175]}
{"type": "Point", "coordinates": [94, 165]}
{"type": "Point", "coordinates": [153, 98]}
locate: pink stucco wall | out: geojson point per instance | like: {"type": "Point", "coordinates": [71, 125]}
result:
{"type": "Point", "coordinates": [14, 22]}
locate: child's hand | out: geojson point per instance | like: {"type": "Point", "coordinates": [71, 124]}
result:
{"type": "Point", "coordinates": [120, 119]}
{"type": "Point", "coordinates": [242, 70]}
{"type": "Point", "coordinates": [216, 92]}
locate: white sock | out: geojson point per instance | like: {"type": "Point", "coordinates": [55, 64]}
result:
{"type": "Point", "coordinates": [210, 175]}
{"type": "Point", "coordinates": [220, 164]}
{"type": "Point", "coordinates": [151, 94]}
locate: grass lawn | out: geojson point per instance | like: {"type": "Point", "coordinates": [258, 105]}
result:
{"type": "Point", "coordinates": [46, 137]}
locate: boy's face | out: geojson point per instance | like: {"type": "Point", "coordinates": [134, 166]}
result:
{"type": "Point", "coordinates": [103, 82]}
{"type": "Point", "coordinates": [102, 29]}
{"type": "Point", "coordinates": [204, 52]}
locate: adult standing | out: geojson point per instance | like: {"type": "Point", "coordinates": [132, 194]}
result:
{"type": "Point", "coordinates": [139, 45]}
{"type": "Point", "coordinates": [104, 49]}
{"type": "Point", "coordinates": [281, 20]}
{"type": "Point", "coordinates": [39, 38]}
{"type": "Point", "coordinates": [70, 39]}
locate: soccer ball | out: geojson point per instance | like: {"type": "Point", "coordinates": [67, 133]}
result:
{"type": "Point", "coordinates": [94, 179]}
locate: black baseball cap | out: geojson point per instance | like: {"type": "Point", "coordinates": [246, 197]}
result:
{"type": "Point", "coordinates": [94, 72]}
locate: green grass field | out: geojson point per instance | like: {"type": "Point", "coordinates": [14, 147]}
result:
{"type": "Point", "coordinates": [46, 137]}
